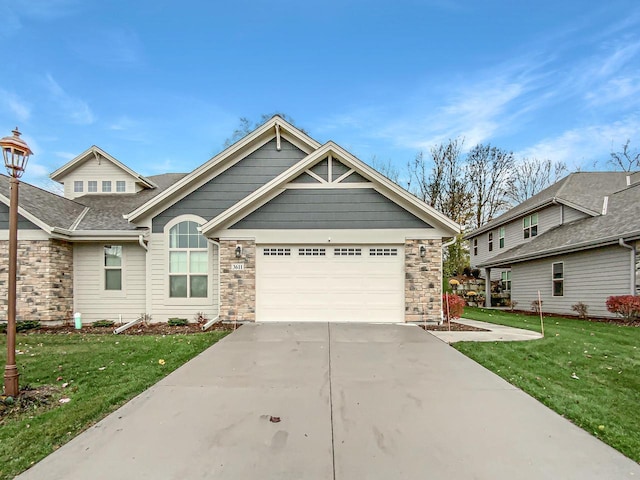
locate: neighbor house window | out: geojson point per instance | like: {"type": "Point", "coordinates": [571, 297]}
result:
{"type": "Point", "coordinates": [92, 186]}
{"type": "Point", "coordinates": [558, 279]}
{"type": "Point", "coordinates": [491, 241]}
{"type": "Point", "coordinates": [121, 186]}
{"type": "Point", "coordinates": [506, 280]}
{"type": "Point", "coordinates": [78, 186]}
{"type": "Point", "coordinates": [188, 271]}
{"type": "Point", "coordinates": [475, 246]}
{"type": "Point", "coordinates": [113, 267]}
{"type": "Point", "coordinates": [530, 225]}
{"type": "Point", "coordinates": [106, 185]}
{"type": "Point", "coordinates": [501, 237]}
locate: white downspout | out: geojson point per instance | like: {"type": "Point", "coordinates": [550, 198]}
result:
{"type": "Point", "coordinates": [215, 319]}
{"type": "Point", "coordinates": [444, 245]}
{"type": "Point", "coordinates": [622, 243]}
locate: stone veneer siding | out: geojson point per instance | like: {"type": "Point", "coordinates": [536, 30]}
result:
{"type": "Point", "coordinates": [44, 286]}
{"type": "Point", "coordinates": [237, 287]}
{"type": "Point", "coordinates": [422, 284]}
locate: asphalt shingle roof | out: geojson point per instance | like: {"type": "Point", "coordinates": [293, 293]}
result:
{"type": "Point", "coordinates": [105, 211]}
{"type": "Point", "coordinates": [52, 209]}
{"type": "Point", "coordinates": [622, 220]}
{"type": "Point", "coordinates": [584, 189]}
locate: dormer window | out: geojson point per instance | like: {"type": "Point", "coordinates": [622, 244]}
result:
{"type": "Point", "coordinates": [106, 186]}
{"type": "Point", "coordinates": [121, 186]}
{"type": "Point", "coordinates": [78, 186]}
{"type": "Point", "coordinates": [92, 186]}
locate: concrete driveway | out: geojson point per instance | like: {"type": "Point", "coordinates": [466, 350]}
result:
{"type": "Point", "coordinates": [354, 402]}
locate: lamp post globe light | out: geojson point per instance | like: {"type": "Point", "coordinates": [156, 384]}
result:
{"type": "Point", "coordinates": [16, 155]}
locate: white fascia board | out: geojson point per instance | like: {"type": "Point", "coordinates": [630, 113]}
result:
{"type": "Point", "coordinates": [97, 234]}
{"type": "Point", "coordinates": [72, 164]}
{"type": "Point", "coordinates": [575, 206]}
{"type": "Point", "coordinates": [32, 218]}
{"type": "Point", "coordinates": [380, 183]}
{"type": "Point", "coordinates": [237, 151]}
{"type": "Point", "coordinates": [330, 236]}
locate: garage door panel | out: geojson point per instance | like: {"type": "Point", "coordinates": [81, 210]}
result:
{"type": "Point", "coordinates": [338, 283]}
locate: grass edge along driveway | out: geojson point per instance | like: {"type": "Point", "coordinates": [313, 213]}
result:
{"type": "Point", "coordinates": [585, 371]}
{"type": "Point", "coordinates": [99, 374]}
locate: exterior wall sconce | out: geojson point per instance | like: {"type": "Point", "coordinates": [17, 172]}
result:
{"type": "Point", "coordinates": [238, 251]}
{"type": "Point", "coordinates": [423, 251]}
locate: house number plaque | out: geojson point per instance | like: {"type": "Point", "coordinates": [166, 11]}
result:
{"type": "Point", "coordinates": [237, 266]}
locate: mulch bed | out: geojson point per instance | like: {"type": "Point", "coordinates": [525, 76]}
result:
{"type": "Point", "coordinates": [455, 327]}
{"type": "Point", "coordinates": [140, 329]}
{"type": "Point", "coordinates": [613, 321]}
{"type": "Point", "coordinates": [30, 399]}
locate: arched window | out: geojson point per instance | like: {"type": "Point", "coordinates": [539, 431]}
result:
{"type": "Point", "coordinates": [188, 265]}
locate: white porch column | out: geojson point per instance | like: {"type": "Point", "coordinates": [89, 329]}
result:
{"type": "Point", "coordinates": [487, 287]}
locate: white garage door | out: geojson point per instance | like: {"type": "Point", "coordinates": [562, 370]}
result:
{"type": "Point", "coordinates": [330, 283]}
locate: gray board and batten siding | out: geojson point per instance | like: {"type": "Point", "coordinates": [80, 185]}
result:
{"type": "Point", "coordinates": [234, 184]}
{"type": "Point", "coordinates": [23, 223]}
{"type": "Point", "coordinates": [327, 208]}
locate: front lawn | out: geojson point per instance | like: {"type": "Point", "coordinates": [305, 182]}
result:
{"type": "Point", "coordinates": [96, 373]}
{"type": "Point", "coordinates": [585, 371]}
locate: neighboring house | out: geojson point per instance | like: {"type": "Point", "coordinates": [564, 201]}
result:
{"type": "Point", "coordinates": [576, 241]}
{"type": "Point", "coordinates": [277, 227]}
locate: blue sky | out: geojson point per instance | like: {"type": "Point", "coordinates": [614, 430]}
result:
{"type": "Point", "coordinates": [161, 84]}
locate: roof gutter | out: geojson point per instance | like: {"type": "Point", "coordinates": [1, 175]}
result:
{"type": "Point", "coordinates": [632, 263]}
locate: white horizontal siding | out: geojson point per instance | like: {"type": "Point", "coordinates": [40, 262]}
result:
{"type": "Point", "coordinates": [162, 306]}
{"type": "Point", "coordinates": [91, 169]}
{"type": "Point", "coordinates": [90, 297]}
{"type": "Point", "coordinates": [589, 277]}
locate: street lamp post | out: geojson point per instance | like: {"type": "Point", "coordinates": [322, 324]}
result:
{"type": "Point", "coordinates": [16, 155]}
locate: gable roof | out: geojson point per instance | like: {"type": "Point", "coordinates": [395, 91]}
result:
{"type": "Point", "coordinates": [622, 221]}
{"type": "Point", "coordinates": [44, 209]}
{"type": "Point", "coordinates": [274, 127]}
{"type": "Point", "coordinates": [380, 183]}
{"type": "Point", "coordinates": [93, 152]}
{"type": "Point", "coordinates": [583, 191]}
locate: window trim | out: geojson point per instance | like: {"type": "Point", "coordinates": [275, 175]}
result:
{"type": "Point", "coordinates": [505, 278]}
{"type": "Point", "coordinates": [78, 186]}
{"type": "Point", "coordinates": [557, 280]}
{"type": "Point", "coordinates": [169, 300]}
{"type": "Point", "coordinates": [104, 184]}
{"type": "Point", "coordinates": [123, 287]}
{"type": "Point", "coordinates": [123, 184]}
{"type": "Point", "coordinates": [501, 233]}
{"type": "Point", "coordinates": [528, 230]}
{"type": "Point", "coordinates": [91, 183]}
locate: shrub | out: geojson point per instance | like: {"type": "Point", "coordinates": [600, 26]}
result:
{"type": "Point", "coordinates": [627, 306]}
{"type": "Point", "coordinates": [475, 273]}
{"type": "Point", "coordinates": [103, 323]}
{"type": "Point", "coordinates": [535, 307]}
{"type": "Point", "coordinates": [177, 322]}
{"type": "Point", "coordinates": [466, 271]}
{"type": "Point", "coordinates": [21, 326]}
{"type": "Point", "coordinates": [581, 309]}
{"type": "Point", "coordinates": [456, 306]}
{"type": "Point", "coordinates": [200, 318]}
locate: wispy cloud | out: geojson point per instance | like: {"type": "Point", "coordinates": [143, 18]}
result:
{"type": "Point", "coordinates": [576, 146]}
{"type": "Point", "coordinates": [75, 109]}
{"type": "Point", "coordinates": [12, 103]}
{"type": "Point", "coordinates": [16, 14]}
{"type": "Point", "coordinates": [65, 155]}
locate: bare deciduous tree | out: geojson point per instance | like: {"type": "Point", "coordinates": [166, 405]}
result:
{"type": "Point", "coordinates": [530, 176]}
{"type": "Point", "coordinates": [625, 160]}
{"type": "Point", "coordinates": [246, 126]}
{"type": "Point", "coordinates": [388, 169]}
{"type": "Point", "coordinates": [489, 172]}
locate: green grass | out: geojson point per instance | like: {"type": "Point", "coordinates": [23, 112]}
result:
{"type": "Point", "coordinates": [604, 400]}
{"type": "Point", "coordinates": [103, 372]}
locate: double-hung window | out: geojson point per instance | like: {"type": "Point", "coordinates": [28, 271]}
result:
{"type": "Point", "coordinates": [530, 225]}
{"type": "Point", "coordinates": [475, 246]}
{"type": "Point", "coordinates": [188, 254]}
{"type": "Point", "coordinates": [113, 267]}
{"type": "Point", "coordinates": [558, 279]}
{"type": "Point", "coordinates": [501, 237]}
{"type": "Point", "coordinates": [506, 280]}
{"type": "Point", "coordinates": [491, 241]}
